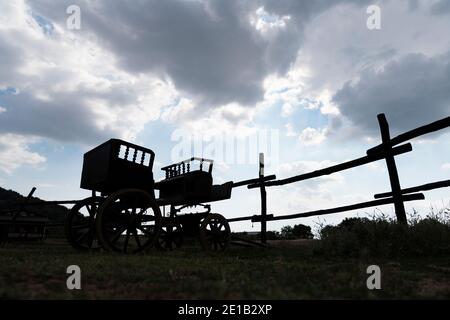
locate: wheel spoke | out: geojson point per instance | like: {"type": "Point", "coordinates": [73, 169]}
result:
{"type": "Point", "coordinates": [91, 210]}
{"type": "Point", "coordinates": [118, 234]}
{"type": "Point", "coordinates": [135, 204]}
{"type": "Point", "coordinates": [136, 237]}
{"type": "Point", "coordinates": [83, 235]}
{"type": "Point", "coordinates": [127, 238]}
{"type": "Point", "coordinates": [90, 239]}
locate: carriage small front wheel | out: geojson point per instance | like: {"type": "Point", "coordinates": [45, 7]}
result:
{"type": "Point", "coordinates": [128, 221]}
{"type": "Point", "coordinates": [171, 236]}
{"type": "Point", "coordinates": [215, 232]}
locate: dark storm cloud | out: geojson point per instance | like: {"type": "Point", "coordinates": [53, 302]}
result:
{"type": "Point", "coordinates": [441, 7]}
{"type": "Point", "coordinates": [209, 49]}
{"type": "Point", "coordinates": [10, 60]}
{"type": "Point", "coordinates": [65, 118]}
{"type": "Point", "coordinates": [411, 91]}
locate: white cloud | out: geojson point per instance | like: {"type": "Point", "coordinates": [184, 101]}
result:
{"type": "Point", "coordinates": [290, 131]}
{"type": "Point", "coordinates": [306, 195]}
{"type": "Point", "coordinates": [312, 136]}
{"type": "Point", "coordinates": [445, 166]}
{"type": "Point", "coordinates": [231, 119]}
{"type": "Point", "coordinates": [305, 166]}
{"type": "Point", "coordinates": [287, 109]}
{"type": "Point", "coordinates": [14, 153]}
{"type": "Point", "coordinates": [265, 22]}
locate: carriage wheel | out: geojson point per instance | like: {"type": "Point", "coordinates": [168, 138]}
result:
{"type": "Point", "coordinates": [129, 221]}
{"type": "Point", "coordinates": [215, 232]}
{"type": "Point", "coordinates": [79, 226]}
{"type": "Point", "coordinates": [171, 236]}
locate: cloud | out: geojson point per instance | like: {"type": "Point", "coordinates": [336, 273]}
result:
{"type": "Point", "coordinates": [266, 22]}
{"type": "Point", "coordinates": [411, 91]}
{"type": "Point", "coordinates": [66, 87]}
{"type": "Point", "coordinates": [215, 53]}
{"type": "Point", "coordinates": [14, 153]}
{"type": "Point", "coordinates": [209, 50]}
{"type": "Point", "coordinates": [318, 188]}
{"type": "Point", "coordinates": [440, 7]}
{"type": "Point", "coordinates": [337, 50]}
{"type": "Point", "coordinates": [199, 64]}
{"type": "Point", "coordinates": [290, 131]}
{"type": "Point", "coordinates": [129, 63]}
{"type": "Point", "coordinates": [312, 136]}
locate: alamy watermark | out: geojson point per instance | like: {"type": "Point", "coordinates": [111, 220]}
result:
{"type": "Point", "coordinates": [74, 280]}
{"type": "Point", "coordinates": [374, 20]}
{"type": "Point", "coordinates": [374, 280]}
{"type": "Point", "coordinates": [227, 148]}
{"type": "Point", "coordinates": [73, 21]}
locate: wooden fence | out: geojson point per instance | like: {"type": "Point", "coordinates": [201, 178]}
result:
{"type": "Point", "coordinates": [387, 150]}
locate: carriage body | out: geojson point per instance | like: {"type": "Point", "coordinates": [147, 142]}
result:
{"type": "Point", "coordinates": [116, 165]}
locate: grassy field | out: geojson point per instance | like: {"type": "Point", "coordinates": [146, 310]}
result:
{"type": "Point", "coordinates": [38, 271]}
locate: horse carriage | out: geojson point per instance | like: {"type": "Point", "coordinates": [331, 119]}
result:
{"type": "Point", "coordinates": [124, 215]}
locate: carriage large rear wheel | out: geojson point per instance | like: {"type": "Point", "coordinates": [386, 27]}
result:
{"type": "Point", "coordinates": [79, 225]}
{"type": "Point", "coordinates": [129, 221]}
{"type": "Point", "coordinates": [215, 232]}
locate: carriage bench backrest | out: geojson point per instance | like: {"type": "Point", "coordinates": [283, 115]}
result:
{"type": "Point", "coordinates": [117, 164]}
{"type": "Point", "coordinates": [186, 166]}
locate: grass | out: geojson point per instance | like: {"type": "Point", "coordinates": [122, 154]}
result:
{"type": "Point", "coordinates": [414, 262]}
{"type": "Point", "coordinates": [38, 271]}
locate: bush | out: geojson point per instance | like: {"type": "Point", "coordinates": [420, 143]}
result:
{"type": "Point", "coordinates": [299, 231]}
{"type": "Point", "coordinates": [382, 237]}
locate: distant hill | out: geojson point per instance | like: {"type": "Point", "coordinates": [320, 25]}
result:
{"type": "Point", "coordinates": [10, 199]}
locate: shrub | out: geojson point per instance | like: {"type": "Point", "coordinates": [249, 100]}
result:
{"type": "Point", "coordinates": [299, 231]}
{"type": "Point", "coordinates": [383, 237]}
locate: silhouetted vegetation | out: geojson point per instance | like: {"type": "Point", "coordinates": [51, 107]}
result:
{"type": "Point", "coordinates": [384, 237]}
{"type": "Point", "coordinates": [298, 231]}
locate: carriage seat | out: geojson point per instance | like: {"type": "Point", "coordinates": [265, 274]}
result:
{"type": "Point", "coordinates": [190, 186]}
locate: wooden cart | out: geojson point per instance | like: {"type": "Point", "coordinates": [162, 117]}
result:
{"type": "Point", "coordinates": [123, 214]}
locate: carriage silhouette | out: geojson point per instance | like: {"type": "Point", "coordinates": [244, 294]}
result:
{"type": "Point", "coordinates": [123, 214]}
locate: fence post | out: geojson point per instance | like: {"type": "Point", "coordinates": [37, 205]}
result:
{"type": "Point", "coordinates": [262, 189]}
{"type": "Point", "coordinates": [392, 169]}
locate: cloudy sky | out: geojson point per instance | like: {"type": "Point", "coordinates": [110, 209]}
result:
{"type": "Point", "coordinates": [305, 78]}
